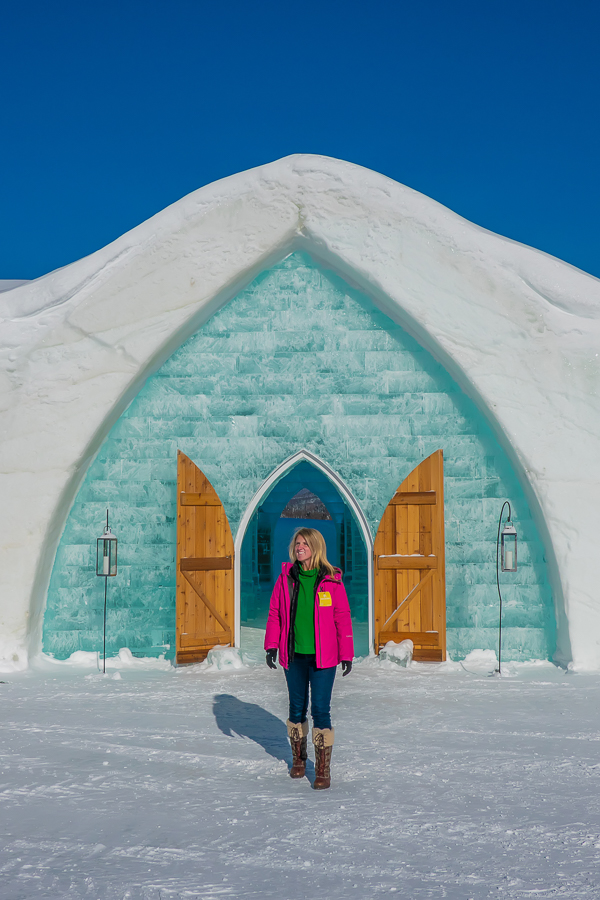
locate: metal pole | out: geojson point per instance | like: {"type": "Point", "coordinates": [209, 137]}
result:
{"type": "Point", "coordinates": [506, 503]}
{"type": "Point", "coordinates": [105, 587]}
{"type": "Point", "coordinates": [104, 650]}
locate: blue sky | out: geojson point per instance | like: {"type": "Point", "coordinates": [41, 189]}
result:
{"type": "Point", "coordinates": [111, 111]}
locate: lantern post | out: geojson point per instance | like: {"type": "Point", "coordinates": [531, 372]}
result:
{"type": "Point", "coordinates": [106, 567]}
{"type": "Point", "coordinates": [506, 560]}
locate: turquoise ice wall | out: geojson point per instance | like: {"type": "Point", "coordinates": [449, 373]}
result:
{"type": "Point", "coordinates": [297, 359]}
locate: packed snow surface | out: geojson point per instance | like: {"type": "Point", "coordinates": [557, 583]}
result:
{"type": "Point", "coordinates": [165, 784]}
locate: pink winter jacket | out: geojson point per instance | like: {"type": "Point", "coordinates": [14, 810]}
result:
{"type": "Point", "coordinates": [333, 625]}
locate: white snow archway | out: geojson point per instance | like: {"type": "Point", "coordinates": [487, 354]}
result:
{"type": "Point", "coordinates": [517, 329]}
{"type": "Point", "coordinates": [275, 476]}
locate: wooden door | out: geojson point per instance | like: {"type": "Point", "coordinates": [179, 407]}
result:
{"type": "Point", "coordinates": [205, 606]}
{"type": "Point", "coordinates": [410, 582]}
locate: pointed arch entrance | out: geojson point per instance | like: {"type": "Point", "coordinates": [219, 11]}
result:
{"type": "Point", "coordinates": [349, 501]}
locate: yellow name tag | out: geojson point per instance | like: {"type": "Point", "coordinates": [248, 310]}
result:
{"type": "Point", "coordinates": [324, 598]}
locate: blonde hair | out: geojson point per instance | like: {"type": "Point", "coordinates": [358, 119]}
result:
{"type": "Point", "coordinates": [318, 548]}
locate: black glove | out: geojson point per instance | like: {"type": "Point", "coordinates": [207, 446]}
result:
{"type": "Point", "coordinates": [271, 657]}
{"type": "Point", "coordinates": [346, 667]}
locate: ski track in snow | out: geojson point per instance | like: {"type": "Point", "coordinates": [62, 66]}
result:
{"type": "Point", "coordinates": [173, 786]}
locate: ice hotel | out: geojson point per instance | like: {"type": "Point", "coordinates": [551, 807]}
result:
{"type": "Point", "coordinates": [308, 341]}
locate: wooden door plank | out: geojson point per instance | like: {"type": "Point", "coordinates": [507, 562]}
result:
{"type": "Point", "coordinates": [428, 654]}
{"type": "Point", "coordinates": [209, 639]}
{"type": "Point", "coordinates": [426, 524]}
{"type": "Point", "coordinates": [423, 638]}
{"type": "Point", "coordinates": [439, 548]}
{"type": "Point", "coordinates": [198, 498]}
{"type": "Point", "coordinates": [415, 561]}
{"type": "Point", "coordinates": [411, 616]}
{"type": "Point", "coordinates": [209, 516]}
{"type": "Point", "coordinates": [205, 564]}
{"type": "Point", "coordinates": [414, 498]}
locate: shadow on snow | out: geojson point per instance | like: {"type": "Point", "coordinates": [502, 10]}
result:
{"type": "Point", "coordinates": [251, 721]}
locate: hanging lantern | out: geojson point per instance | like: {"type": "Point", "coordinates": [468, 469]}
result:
{"type": "Point", "coordinates": [508, 545]}
{"type": "Point", "coordinates": [106, 553]}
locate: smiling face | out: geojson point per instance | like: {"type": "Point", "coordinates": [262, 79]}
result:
{"type": "Point", "coordinates": [302, 551]}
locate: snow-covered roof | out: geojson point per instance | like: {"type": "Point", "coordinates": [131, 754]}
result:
{"type": "Point", "coordinates": [518, 329]}
{"type": "Point", "coordinates": [7, 284]}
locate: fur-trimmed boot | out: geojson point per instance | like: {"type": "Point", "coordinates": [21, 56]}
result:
{"type": "Point", "coordinates": [298, 736]}
{"type": "Point", "coordinates": [323, 741]}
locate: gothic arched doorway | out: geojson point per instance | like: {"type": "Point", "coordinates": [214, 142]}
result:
{"type": "Point", "coordinates": [300, 493]}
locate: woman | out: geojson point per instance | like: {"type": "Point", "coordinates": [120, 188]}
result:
{"type": "Point", "coordinates": [309, 623]}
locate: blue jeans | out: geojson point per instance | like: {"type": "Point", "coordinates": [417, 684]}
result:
{"type": "Point", "coordinates": [301, 674]}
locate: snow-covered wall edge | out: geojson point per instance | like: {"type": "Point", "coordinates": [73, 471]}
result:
{"type": "Point", "coordinates": [517, 328]}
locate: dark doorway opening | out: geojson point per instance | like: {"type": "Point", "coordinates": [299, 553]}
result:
{"type": "Point", "coordinates": [304, 497]}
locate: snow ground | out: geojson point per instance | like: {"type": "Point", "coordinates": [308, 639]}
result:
{"type": "Point", "coordinates": [166, 784]}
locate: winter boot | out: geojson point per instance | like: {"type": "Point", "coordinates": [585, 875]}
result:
{"type": "Point", "coordinates": [298, 736]}
{"type": "Point", "coordinates": [323, 741]}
